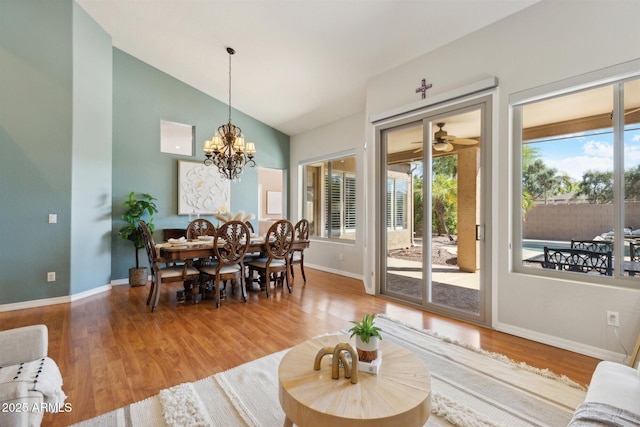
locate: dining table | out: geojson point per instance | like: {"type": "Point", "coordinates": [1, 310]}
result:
{"type": "Point", "coordinates": [193, 249]}
{"type": "Point", "coordinates": [176, 250]}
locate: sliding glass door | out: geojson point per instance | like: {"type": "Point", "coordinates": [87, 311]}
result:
{"type": "Point", "coordinates": [404, 212]}
{"type": "Point", "coordinates": [432, 211]}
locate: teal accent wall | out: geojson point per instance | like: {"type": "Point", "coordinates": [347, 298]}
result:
{"type": "Point", "coordinates": [35, 148]}
{"type": "Point", "coordinates": [142, 96]}
{"type": "Point", "coordinates": [55, 157]}
{"type": "Point", "coordinates": [79, 130]}
{"type": "Point", "coordinates": [91, 154]}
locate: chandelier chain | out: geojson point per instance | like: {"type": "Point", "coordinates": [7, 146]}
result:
{"type": "Point", "coordinates": [230, 54]}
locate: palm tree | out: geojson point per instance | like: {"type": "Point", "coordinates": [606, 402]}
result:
{"type": "Point", "coordinates": [417, 204]}
{"type": "Point", "coordinates": [444, 191]}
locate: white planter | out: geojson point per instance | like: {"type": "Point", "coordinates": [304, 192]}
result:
{"type": "Point", "coordinates": [367, 351]}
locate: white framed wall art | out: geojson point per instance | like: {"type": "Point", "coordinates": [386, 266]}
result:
{"type": "Point", "coordinates": [201, 189]}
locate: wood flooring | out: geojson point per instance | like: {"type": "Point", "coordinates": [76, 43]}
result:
{"type": "Point", "coordinates": [112, 351]}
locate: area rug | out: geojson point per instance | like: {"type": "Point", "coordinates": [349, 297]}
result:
{"type": "Point", "coordinates": [470, 387]}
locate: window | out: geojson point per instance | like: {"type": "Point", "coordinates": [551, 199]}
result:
{"type": "Point", "coordinates": [397, 191]}
{"type": "Point", "coordinates": [176, 138]}
{"type": "Point", "coordinates": [330, 199]}
{"type": "Point", "coordinates": [580, 178]}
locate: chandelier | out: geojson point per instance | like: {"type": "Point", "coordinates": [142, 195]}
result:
{"type": "Point", "coordinates": [227, 149]}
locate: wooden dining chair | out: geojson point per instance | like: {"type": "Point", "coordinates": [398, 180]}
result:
{"type": "Point", "coordinates": [200, 227]}
{"type": "Point", "coordinates": [251, 255]}
{"type": "Point", "coordinates": [159, 275]}
{"type": "Point", "coordinates": [301, 234]}
{"type": "Point", "coordinates": [278, 242]}
{"type": "Point", "coordinates": [229, 245]}
{"type": "Point", "coordinates": [197, 228]}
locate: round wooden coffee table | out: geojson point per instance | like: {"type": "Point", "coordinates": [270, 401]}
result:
{"type": "Point", "coordinates": [400, 394]}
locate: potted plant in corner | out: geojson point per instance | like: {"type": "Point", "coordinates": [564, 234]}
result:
{"type": "Point", "coordinates": [137, 208]}
{"type": "Point", "coordinates": [367, 338]}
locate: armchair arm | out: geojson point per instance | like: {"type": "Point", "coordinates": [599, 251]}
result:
{"type": "Point", "coordinates": [23, 344]}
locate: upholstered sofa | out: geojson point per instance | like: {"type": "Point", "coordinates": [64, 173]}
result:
{"type": "Point", "coordinates": [613, 398]}
{"type": "Point", "coordinates": [30, 382]}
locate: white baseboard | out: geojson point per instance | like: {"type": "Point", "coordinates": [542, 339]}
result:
{"type": "Point", "coordinates": [574, 346]}
{"type": "Point", "coordinates": [120, 282]}
{"type": "Point", "coordinates": [53, 301]}
{"type": "Point", "coordinates": [334, 271]}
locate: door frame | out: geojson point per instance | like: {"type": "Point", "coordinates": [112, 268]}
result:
{"type": "Point", "coordinates": [486, 101]}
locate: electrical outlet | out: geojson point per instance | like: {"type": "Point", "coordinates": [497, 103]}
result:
{"type": "Point", "coordinates": [51, 276]}
{"type": "Point", "coordinates": [613, 318]}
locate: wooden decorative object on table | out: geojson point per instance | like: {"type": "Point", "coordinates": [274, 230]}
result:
{"type": "Point", "coordinates": [312, 398]}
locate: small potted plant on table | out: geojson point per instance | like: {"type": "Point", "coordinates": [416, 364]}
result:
{"type": "Point", "coordinates": [367, 338]}
{"type": "Point", "coordinates": [136, 210]}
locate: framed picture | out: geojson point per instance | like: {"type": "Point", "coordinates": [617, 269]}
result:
{"type": "Point", "coordinates": [274, 202]}
{"type": "Point", "coordinates": [201, 189]}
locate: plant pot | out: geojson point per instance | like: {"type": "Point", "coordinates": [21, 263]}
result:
{"type": "Point", "coordinates": [138, 276]}
{"type": "Point", "coordinates": [367, 351]}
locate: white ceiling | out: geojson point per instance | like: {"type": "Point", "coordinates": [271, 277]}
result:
{"type": "Point", "coordinates": [299, 64]}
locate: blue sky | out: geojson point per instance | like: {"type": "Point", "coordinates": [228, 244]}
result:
{"type": "Point", "coordinates": [586, 151]}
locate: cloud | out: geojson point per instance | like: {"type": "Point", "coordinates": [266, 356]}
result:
{"type": "Point", "coordinates": [598, 149]}
{"type": "Point", "coordinates": [575, 156]}
{"type": "Point", "coordinates": [577, 159]}
{"type": "Point", "coordinates": [631, 155]}
{"type": "Point", "coordinates": [576, 166]}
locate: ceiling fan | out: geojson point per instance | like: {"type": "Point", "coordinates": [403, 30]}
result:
{"type": "Point", "coordinates": [444, 142]}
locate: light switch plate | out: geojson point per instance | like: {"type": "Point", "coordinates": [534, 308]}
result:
{"type": "Point", "coordinates": [53, 218]}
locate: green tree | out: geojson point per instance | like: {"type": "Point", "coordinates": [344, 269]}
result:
{"type": "Point", "coordinates": [539, 181]}
{"type": "Point", "coordinates": [418, 214]}
{"type": "Point", "coordinates": [445, 165]}
{"type": "Point", "coordinates": [596, 186]}
{"type": "Point", "coordinates": [632, 184]}
{"type": "Point", "coordinates": [444, 195]}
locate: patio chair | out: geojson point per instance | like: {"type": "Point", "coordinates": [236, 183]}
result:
{"type": "Point", "coordinates": [578, 260]}
{"type": "Point", "coordinates": [634, 251]}
{"type": "Point", "coordinates": [592, 245]}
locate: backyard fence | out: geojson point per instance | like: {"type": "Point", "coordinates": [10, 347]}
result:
{"type": "Point", "coordinates": [578, 221]}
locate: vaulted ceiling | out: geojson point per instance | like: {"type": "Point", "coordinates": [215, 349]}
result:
{"type": "Point", "coordinates": [299, 64]}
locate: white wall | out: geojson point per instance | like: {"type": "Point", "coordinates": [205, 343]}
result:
{"type": "Point", "coordinates": [548, 42]}
{"type": "Point", "coordinates": [343, 135]}
{"type": "Point", "coordinates": [545, 43]}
